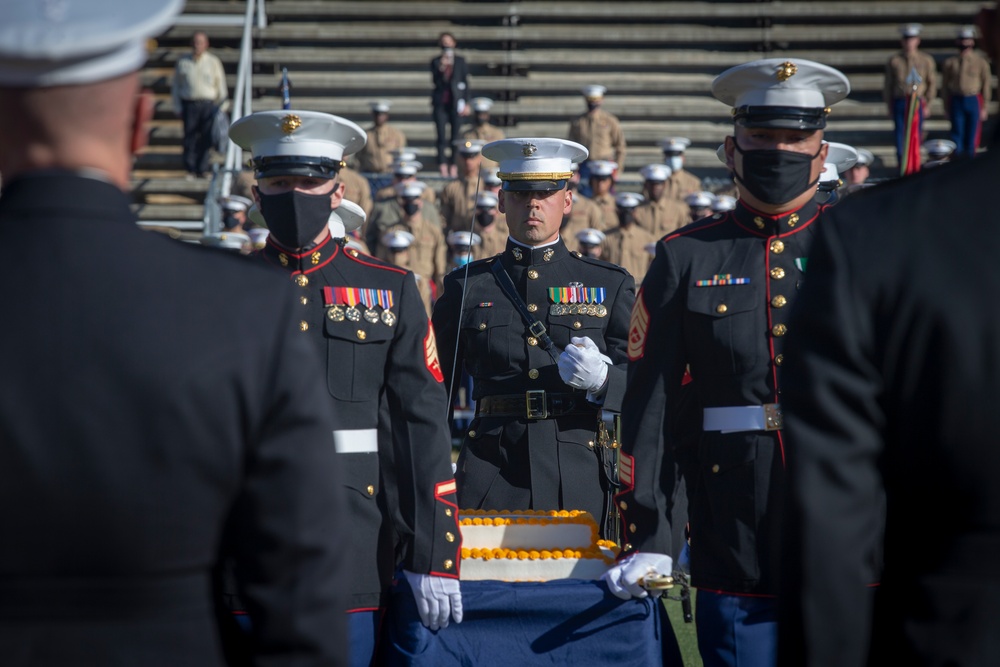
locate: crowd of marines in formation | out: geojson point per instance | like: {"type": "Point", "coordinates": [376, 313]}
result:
{"type": "Point", "coordinates": [623, 353]}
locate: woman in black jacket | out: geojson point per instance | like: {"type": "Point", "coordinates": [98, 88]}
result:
{"type": "Point", "coordinates": [449, 100]}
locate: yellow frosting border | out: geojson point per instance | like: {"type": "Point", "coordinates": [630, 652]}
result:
{"type": "Point", "coordinates": [532, 554]}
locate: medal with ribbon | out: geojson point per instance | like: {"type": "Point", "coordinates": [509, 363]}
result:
{"type": "Point", "coordinates": [577, 301]}
{"type": "Point", "coordinates": [343, 303]}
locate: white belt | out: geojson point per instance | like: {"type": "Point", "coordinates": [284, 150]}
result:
{"type": "Point", "coordinates": [357, 441]}
{"type": "Point", "coordinates": [765, 417]}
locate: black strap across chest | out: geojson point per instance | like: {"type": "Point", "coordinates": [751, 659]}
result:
{"type": "Point", "coordinates": [536, 328]}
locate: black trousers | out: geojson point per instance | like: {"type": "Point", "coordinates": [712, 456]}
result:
{"type": "Point", "coordinates": [198, 116]}
{"type": "Point", "coordinates": [442, 116]}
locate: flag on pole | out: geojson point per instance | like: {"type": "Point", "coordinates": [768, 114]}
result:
{"type": "Point", "coordinates": [910, 162]}
{"type": "Point", "coordinates": [286, 98]}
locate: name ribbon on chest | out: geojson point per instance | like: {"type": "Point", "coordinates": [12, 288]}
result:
{"type": "Point", "coordinates": [343, 303]}
{"type": "Point", "coordinates": [577, 301]}
{"type": "Point", "coordinates": [722, 279]}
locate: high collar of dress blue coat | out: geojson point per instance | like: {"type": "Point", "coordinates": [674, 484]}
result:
{"type": "Point", "coordinates": [517, 254]}
{"type": "Point", "coordinates": [304, 261]}
{"type": "Point", "coordinates": [766, 224]}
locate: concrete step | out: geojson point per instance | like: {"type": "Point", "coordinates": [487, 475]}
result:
{"type": "Point", "coordinates": [185, 212]}
{"type": "Point", "coordinates": [594, 36]}
{"type": "Point", "coordinates": [417, 59]}
{"type": "Point", "coordinates": [171, 183]}
{"type": "Point", "coordinates": [389, 84]}
{"type": "Point", "coordinates": [527, 108]}
{"type": "Point", "coordinates": [664, 10]}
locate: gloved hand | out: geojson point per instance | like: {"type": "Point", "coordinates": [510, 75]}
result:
{"type": "Point", "coordinates": [582, 366]}
{"type": "Point", "coordinates": [438, 599]}
{"type": "Point", "coordinates": [623, 578]}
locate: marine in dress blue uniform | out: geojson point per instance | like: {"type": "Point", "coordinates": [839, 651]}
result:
{"type": "Point", "coordinates": [716, 301]}
{"type": "Point", "coordinates": [384, 379]}
{"type": "Point", "coordinates": [152, 423]}
{"type": "Point", "coordinates": [534, 443]}
{"type": "Point", "coordinates": [891, 393]}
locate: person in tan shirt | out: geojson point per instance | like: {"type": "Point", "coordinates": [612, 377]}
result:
{"type": "Point", "coordinates": [625, 245]}
{"type": "Point", "coordinates": [458, 197]}
{"type": "Point", "coordinates": [357, 189]}
{"type": "Point", "coordinates": [491, 226]}
{"type": "Point", "coordinates": [428, 252]}
{"type": "Point", "coordinates": [383, 138]}
{"type": "Point", "coordinates": [897, 91]}
{"type": "Point", "coordinates": [590, 243]}
{"type": "Point", "coordinates": [397, 250]}
{"type": "Point", "coordinates": [197, 91]}
{"type": "Point", "coordinates": [699, 205]}
{"type": "Point", "coordinates": [482, 129]}
{"type": "Point", "coordinates": [599, 131]}
{"type": "Point", "coordinates": [966, 84]}
{"type": "Point", "coordinates": [583, 215]}
{"type": "Point", "coordinates": [461, 248]}
{"type": "Point", "coordinates": [601, 181]}
{"type": "Point", "coordinates": [681, 182]}
{"type": "Point", "coordinates": [404, 170]}
{"type": "Point", "coordinates": [658, 214]}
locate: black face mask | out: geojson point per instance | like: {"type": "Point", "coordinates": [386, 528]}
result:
{"type": "Point", "coordinates": [295, 218]}
{"type": "Point", "coordinates": [625, 217]}
{"type": "Point", "coordinates": [484, 218]}
{"type": "Point", "coordinates": [229, 221]}
{"type": "Point", "coordinates": [776, 177]}
{"type": "Point", "coordinates": [411, 206]}
{"type": "Point", "coordinates": [592, 105]}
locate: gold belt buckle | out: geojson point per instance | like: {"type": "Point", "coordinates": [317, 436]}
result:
{"type": "Point", "coordinates": [772, 417]}
{"type": "Point", "coordinates": [534, 402]}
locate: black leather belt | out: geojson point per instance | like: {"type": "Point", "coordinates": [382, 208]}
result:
{"type": "Point", "coordinates": [535, 404]}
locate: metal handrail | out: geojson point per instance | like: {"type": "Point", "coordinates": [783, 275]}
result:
{"type": "Point", "coordinates": [222, 179]}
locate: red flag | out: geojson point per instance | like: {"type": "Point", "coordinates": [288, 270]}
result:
{"type": "Point", "coordinates": [911, 136]}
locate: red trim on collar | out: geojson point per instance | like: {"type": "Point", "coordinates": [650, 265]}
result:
{"type": "Point", "coordinates": [799, 226]}
{"type": "Point", "coordinates": [280, 248]}
{"type": "Point", "coordinates": [298, 256]}
{"type": "Point", "coordinates": [336, 249]}
{"type": "Point", "coordinates": [772, 216]}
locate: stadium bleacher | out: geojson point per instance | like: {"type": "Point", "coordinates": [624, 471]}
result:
{"type": "Point", "coordinates": [656, 58]}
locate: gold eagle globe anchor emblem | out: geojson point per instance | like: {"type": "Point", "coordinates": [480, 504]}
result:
{"type": "Point", "coordinates": [786, 71]}
{"type": "Point", "coordinates": [290, 123]}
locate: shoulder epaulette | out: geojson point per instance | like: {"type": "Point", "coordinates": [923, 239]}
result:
{"type": "Point", "coordinates": [597, 262]}
{"type": "Point", "coordinates": [697, 225]}
{"type": "Point", "coordinates": [374, 262]}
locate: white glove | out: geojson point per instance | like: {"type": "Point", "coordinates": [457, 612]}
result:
{"type": "Point", "coordinates": [438, 599]}
{"type": "Point", "coordinates": [582, 366]}
{"type": "Point", "coordinates": [624, 578]}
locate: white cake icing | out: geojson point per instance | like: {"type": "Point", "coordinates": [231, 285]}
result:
{"type": "Point", "coordinates": [532, 546]}
{"type": "Point", "coordinates": [529, 536]}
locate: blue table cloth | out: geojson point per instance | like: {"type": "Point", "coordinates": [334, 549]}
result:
{"type": "Point", "coordinates": [570, 622]}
